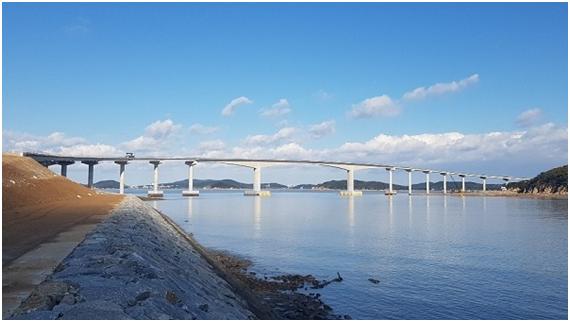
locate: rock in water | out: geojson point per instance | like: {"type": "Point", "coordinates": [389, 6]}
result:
{"type": "Point", "coordinates": [373, 280]}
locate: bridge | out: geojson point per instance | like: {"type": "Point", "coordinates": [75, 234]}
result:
{"type": "Point", "coordinates": [256, 165]}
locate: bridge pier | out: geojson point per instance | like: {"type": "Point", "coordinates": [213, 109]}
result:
{"type": "Point", "coordinates": [155, 193]}
{"type": "Point", "coordinates": [427, 181]}
{"type": "Point", "coordinates": [444, 174]}
{"type": "Point", "coordinates": [390, 184]}
{"type": "Point", "coordinates": [64, 165]}
{"type": "Point", "coordinates": [256, 166]}
{"type": "Point", "coordinates": [349, 178]}
{"type": "Point", "coordinates": [91, 164]}
{"type": "Point", "coordinates": [484, 183]}
{"type": "Point", "coordinates": [409, 171]}
{"type": "Point", "coordinates": [462, 183]}
{"type": "Point", "coordinates": [122, 164]}
{"type": "Point", "coordinates": [190, 192]}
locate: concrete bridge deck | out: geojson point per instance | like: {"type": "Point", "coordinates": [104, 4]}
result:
{"type": "Point", "coordinates": [256, 165]}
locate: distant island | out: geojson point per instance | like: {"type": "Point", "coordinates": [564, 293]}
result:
{"type": "Point", "coordinates": [327, 185]}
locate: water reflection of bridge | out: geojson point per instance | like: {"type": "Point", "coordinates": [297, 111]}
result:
{"type": "Point", "coordinates": [256, 165]}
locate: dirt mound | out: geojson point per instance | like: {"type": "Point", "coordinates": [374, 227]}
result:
{"type": "Point", "coordinates": [25, 182]}
{"type": "Point", "coordinates": [38, 204]}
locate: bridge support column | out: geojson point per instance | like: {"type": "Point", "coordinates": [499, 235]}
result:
{"type": "Point", "coordinates": [350, 181]}
{"type": "Point", "coordinates": [122, 164]}
{"type": "Point", "coordinates": [91, 165]}
{"type": "Point", "coordinates": [409, 181]}
{"type": "Point", "coordinates": [64, 165]}
{"type": "Point", "coordinates": [190, 192]}
{"type": "Point", "coordinates": [462, 183]}
{"type": "Point", "coordinates": [390, 184]}
{"type": "Point", "coordinates": [257, 184]}
{"type": "Point", "coordinates": [427, 181]}
{"type": "Point", "coordinates": [444, 174]}
{"type": "Point", "coordinates": [256, 166]}
{"type": "Point", "coordinates": [484, 183]}
{"type": "Point", "coordinates": [349, 177]}
{"type": "Point", "coordinates": [155, 193]}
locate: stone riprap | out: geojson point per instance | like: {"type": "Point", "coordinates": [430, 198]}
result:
{"type": "Point", "coordinates": [134, 265]}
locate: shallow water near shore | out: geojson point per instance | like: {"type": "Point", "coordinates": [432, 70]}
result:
{"type": "Point", "coordinates": [436, 257]}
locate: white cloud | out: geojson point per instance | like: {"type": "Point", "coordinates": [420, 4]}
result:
{"type": "Point", "coordinates": [545, 144]}
{"type": "Point", "coordinates": [547, 141]}
{"type": "Point", "coordinates": [55, 143]}
{"type": "Point", "coordinates": [280, 108]}
{"type": "Point", "coordinates": [200, 129]}
{"type": "Point", "coordinates": [322, 129]}
{"type": "Point", "coordinates": [231, 107]}
{"type": "Point", "coordinates": [161, 129]}
{"type": "Point", "coordinates": [154, 138]}
{"type": "Point", "coordinates": [441, 88]}
{"type": "Point", "coordinates": [375, 106]}
{"type": "Point", "coordinates": [529, 117]}
{"type": "Point", "coordinates": [283, 134]}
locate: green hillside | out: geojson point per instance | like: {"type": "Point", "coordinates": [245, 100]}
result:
{"type": "Point", "coordinates": [551, 181]}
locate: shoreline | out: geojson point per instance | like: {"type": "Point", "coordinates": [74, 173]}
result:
{"type": "Point", "coordinates": [139, 264]}
{"type": "Point", "coordinates": [264, 297]}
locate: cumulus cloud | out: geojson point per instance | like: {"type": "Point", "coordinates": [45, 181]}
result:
{"type": "Point", "coordinates": [278, 109]}
{"type": "Point", "coordinates": [441, 88]}
{"type": "Point", "coordinates": [233, 105]}
{"type": "Point", "coordinates": [548, 141]}
{"type": "Point", "coordinates": [375, 106]}
{"type": "Point", "coordinates": [155, 136]}
{"type": "Point", "coordinates": [529, 117]}
{"type": "Point", "coordinates": [55, 143]}
{"type": "Point", "coordinates": [544, 144]}
{"type": "Point", "coordinates": [161, 129]}
{"type": "Point", "coordinates": [200, 129]}
{"type": "Point", "coordinates": [283, 134]}
{"type": "Point", "coordinates": [322, 129]}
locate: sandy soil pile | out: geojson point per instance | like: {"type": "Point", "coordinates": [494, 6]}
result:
{"type": "Point", "coordinates": [38, 204]}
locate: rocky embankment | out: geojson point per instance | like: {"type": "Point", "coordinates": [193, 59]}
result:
{"type": "Point", "coordinates": [551, 182]}
{"type": "Point", "coordinates": [134, 265]}
{"type": "Point", "coordinates": [138, 264]}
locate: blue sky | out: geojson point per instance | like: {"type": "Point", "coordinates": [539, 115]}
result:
{"type": "Point", "coordinates": [419, 84]}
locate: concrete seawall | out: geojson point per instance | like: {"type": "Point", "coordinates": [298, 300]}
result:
{"type": "Point", "coordinates": [135, 265]}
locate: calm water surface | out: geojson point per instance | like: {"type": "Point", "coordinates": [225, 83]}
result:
{"type": "Point", "coordinates": [436, 257]}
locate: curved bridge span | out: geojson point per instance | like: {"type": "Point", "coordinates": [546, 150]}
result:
{"type": "Point", "coordinates": [256, 165]}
